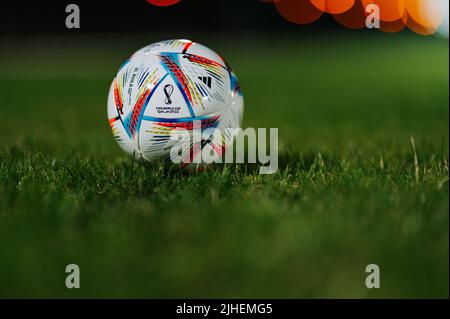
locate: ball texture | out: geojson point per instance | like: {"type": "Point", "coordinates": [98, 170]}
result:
{"type": "Point", "coordinates": [168, 86]}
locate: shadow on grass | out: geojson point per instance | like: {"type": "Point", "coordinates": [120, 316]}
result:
{"type": "Point", "coordinates": [286, 161]}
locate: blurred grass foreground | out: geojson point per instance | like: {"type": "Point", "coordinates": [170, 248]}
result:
{"type": "Point", "coordinates": [348, 193]}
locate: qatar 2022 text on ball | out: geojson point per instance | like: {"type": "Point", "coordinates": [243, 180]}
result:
{"type": "Point", "coordinates": [174, 85]}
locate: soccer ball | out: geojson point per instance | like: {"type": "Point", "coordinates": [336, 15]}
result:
{"type": "Point", "coordinates": [165, 88]}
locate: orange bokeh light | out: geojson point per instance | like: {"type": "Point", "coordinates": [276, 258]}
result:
{"type": "Point", "coordinates": [333, 6]}
{"type": "Point", "coordinates": [424, 16]}
{"type": "Point", "coordinates": [421, 16]}
{"type": "Point", "coordinates": [392, 26]}
{"type": "Point", "coordinates": [354, 18]}
{"type": "Point", "coordinates": [298, 11]}
{"type": "Point", "coordinates": [390, 10]}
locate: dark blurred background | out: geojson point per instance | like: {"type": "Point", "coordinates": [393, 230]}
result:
{"type": "Point", "coordinates": [106, 16]}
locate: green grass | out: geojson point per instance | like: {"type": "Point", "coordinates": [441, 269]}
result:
{"type": "Point", "coordinates": [346, 194]}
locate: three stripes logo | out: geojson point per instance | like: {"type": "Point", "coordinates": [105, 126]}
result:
{"type": "Point", "coordinates": [206, 80]}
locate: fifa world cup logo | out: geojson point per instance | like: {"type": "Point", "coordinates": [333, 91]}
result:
{"type": "Point", "coordinates": [168, 90]}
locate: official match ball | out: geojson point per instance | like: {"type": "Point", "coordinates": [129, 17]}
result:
{"type": "Point", "coordinates": [166, 88]}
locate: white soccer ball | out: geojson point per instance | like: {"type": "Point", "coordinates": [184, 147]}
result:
{"type": "Point", "coordinates": [166, 86]}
